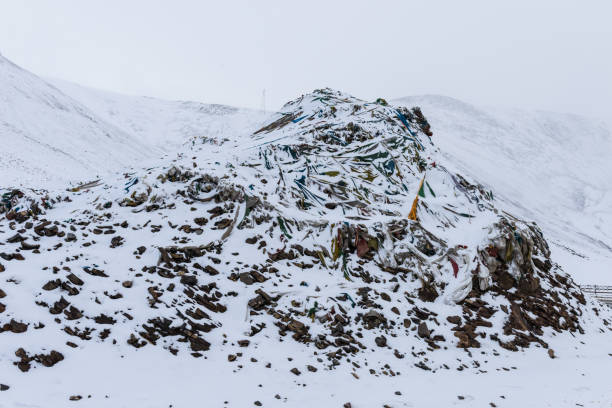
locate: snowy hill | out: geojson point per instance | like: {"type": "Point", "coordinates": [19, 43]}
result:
{"type": "Point", "coordinates": [336, 256]}
{"type": "Point", "coordinates": [339, 252]}
{"type": "Point", "coordinates": [164, 124]}
{"type": "Point", "coordinates": [55, 133]}
{"type": "Point", "coordinates": [550, 167]}
{"type": "Point", "coordinates": [49, 136]}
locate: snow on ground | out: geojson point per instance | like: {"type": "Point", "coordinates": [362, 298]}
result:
{"type": "Point", "coordinates": [151, 378]}
{"type": "Point", "coordinates": [550, 167]}
{"type": "Point", "coordinates": [54, 135]}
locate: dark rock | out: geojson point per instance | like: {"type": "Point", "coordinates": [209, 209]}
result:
{"type": "Point", "coordinates": [104, 319]}
{"type": "Point", "coordinates": [74, 279]}
{"type": "Point", "coordinates": [374, 319]}
{"type": "Point", "coordinates": [16, 238]}
{"type": "Point", "coordinates": [15, 326]}
{"type": "Point", "coordinates": [505, 281]}
{"type": "Point", "coordinates": [258, 276]}
{"type": "Point", "coordinates": [59, 306]}
{"type": "Point", "coordinates": [201, 221]}
{"type": "Point", "coordinates": [516, 318]}
{"type": "Point", "coordinates": [246, 278]}
{"type": "Point", "coordinates": [210, 270]}
{"type": "Point", "coordinates": [296, 326]}
{"type": "Point", "coordinates": [295, 371]}
{"type": "Point", "coordinates": [189, 280]}
{"type": "Point", "coordinates": [381, 341]}
{"type": "Point", "coordinates": [4, 387]}
{"type": "Point", "coordinates": [454, 319]}
{"type": "Point", "coordinates": [423, 331]}
{"type": "Point", "coordinates": [49, 360]}
{"type": "Point", "coordinates": [72, 313]}
{"type": "Point", "coordinates": [29, 247]}
{"type": "Point", "coordinates": [428, 293]}
{"type": "Point", "coordinates": [116, 241]}
{"type": "Point", "coordinates": [54, 284]}
{"type": "Point", "coordinates": [95, 272]}
{"type": "Point", "coordinates": [529, 285]}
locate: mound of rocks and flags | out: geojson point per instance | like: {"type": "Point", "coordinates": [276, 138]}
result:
{"type": "Point", "coordinates": [337, 226]}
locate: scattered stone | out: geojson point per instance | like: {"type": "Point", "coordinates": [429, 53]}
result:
{"type": "Point", "coordinates": [381, 341]}
{"type": "Point", "coordinates": [189, 280]}
{"type": "Point", "coordinates": [246, 278]}
{"type": "Point", "coordinates": [374, 319]}
{"type": "Point", "coordinates": [423, 330]}
{"type": "Point", "coordinates": [454, 319]}
{"type": "Point", "coordinates": [75, 279]}
{"type": "Point", "coordinates": [116, 242]}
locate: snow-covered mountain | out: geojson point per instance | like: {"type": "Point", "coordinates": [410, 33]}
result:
{"type": "Point", "coordinates": [164, 124]}
{"type": "Point", "coordinates": [550, 167]}
{"type": "Point", "coordinates": [53, 133]}
{"type": "Point", "coordinates": [46, 135]}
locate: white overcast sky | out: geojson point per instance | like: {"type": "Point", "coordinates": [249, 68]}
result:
{"type": "Point", "coordinates": [544, 54]}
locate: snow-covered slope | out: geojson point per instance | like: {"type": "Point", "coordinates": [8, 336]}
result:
{"type": "Point", "coordinates": [162, 123]}
{"type": "Point", "coordinates": [550, 167]}
{"type": "Point", "coordinates": [48, 136]}
{"type": "Point", "coordinates": [53, 133]}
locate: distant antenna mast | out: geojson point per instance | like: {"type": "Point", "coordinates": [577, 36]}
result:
{"type": "Point", "coordinates": [263, 100]}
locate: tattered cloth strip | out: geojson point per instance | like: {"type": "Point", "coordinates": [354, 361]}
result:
{"type": "Point", "coordinates": [455, 266]}
{"type": "Point", "coordinates": [413, 211]}
{"type": "Point", "coordinates": [84, 186]}
{"type": "Point", "coordinates": [130, 184]}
